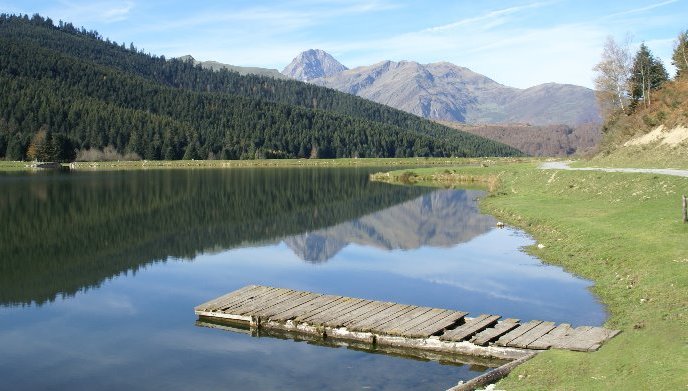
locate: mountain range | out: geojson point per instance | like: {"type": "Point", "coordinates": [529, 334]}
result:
{"type": "Point", "coordinates": [448, 92]}
{"type": "Point", "coordinates": [69, 93]}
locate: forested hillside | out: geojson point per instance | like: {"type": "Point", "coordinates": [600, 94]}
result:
{"type": "Point", "coordinates": [64, 91]}
{"type": "Point", "coordinates": [543, 140]}
{"type": "Point", "coordinates": [646, 122]}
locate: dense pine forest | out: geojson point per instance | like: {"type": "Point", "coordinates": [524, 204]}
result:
{"type": "Point", "coordinates": [68, 93]}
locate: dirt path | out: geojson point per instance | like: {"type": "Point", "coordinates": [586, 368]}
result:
{"type": "Point", "coordinates": [661, 171]}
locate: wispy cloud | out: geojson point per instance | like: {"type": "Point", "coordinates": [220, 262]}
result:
{"type": "Point", "coordinates": [106, 11]}
{"type": "Point", "coordinates": [274, 20]}
{"type": "Point", "coordinates": [490, 16]}
{"type": "Point", "coordinates": [118, 12]}
{"type": "Point", "coordinates": [643, 9]}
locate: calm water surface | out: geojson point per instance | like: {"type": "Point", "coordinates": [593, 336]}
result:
{"type": "Point", "coordinates": [99, 274]}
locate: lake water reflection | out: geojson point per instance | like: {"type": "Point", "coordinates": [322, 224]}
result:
{"type": "Point", "coordinates": [99, 274]}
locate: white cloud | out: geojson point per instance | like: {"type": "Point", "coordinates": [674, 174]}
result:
{"type": "Point", "coordinates": [78, 12]}
{"type": "Point", "coordinates": [118, 12]}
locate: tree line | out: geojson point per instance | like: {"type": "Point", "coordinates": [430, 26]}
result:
{"type": "Point", "coordinates": [625, 82]}
{"type": "Point", "coordinates": [66, 92]}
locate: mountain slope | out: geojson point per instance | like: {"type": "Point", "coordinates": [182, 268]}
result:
{"type": "Point", "coordinates": [216, 66]}
{"type": "Point", "coordinates": [93, 93]}
{"type": "Point", "coordinates": [312, 64]}
{"type": "Point", "coordinates": [444, 91]}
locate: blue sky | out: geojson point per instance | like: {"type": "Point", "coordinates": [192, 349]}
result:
{"type": "Point", "coordinates": [518, 43]}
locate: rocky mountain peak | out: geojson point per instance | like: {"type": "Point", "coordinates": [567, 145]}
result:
{"type": "Point", "coordinates": [312, 64]}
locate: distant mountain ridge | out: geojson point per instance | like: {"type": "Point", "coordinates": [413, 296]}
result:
{"type": "Point", "coordinates": [216, 66]}
{"type": "Point", "coordinates": [448, 92]}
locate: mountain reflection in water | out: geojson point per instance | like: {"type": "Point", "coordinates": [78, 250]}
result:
{"type": "Point", "coordinates": [442, 218]}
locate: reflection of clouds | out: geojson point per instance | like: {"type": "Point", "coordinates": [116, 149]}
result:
{"type": "Point", "coordinates": [102, 305]}
{"type": "Point", "coordinates": [493, 256]}
{"type": "Point", "coordinates": [206, 340]}
{"type": "Point", "coordinates": [488, 291]}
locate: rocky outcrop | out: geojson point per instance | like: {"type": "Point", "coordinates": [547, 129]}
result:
{"type": "Point", "coordinates": [312, 64]}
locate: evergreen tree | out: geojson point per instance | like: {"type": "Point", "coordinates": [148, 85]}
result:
{"type": "Point", "coordinates": [647, 74]}
{"type": "Point", "coordinates": [680, 56]}
{"type": "Point", "coordinates": [15, 148]}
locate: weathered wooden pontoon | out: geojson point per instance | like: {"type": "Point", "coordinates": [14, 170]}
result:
{"type": "Point", "coordinates": [395, 326]}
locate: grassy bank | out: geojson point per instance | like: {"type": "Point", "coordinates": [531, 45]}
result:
{"type": "Point", "coordinates": [643, 156]}
{"type": "Point", "coordinates": [165, 164]}
{"type": "Point", "coordinates": [623, 231]}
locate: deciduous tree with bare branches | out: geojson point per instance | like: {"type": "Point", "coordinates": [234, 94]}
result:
{"type": "Point", "coordinates": [680, 56]}
{"type": "Point", "coordinates": [611, 76]}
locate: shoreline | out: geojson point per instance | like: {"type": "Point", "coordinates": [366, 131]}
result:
{"type": "Point", "coordinates": [267, 163]}
{"type": "Point", "coordinates": [620, 230]}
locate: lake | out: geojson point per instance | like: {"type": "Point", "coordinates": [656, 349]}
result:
{"type": "Point", "coordinates": [100, 271]}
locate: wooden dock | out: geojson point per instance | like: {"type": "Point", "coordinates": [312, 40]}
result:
{"type": "Point", "coordinates": [398, 325]}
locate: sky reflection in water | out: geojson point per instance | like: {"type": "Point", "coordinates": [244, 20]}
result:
{"type": "Point", "coordinates": [136, 330]}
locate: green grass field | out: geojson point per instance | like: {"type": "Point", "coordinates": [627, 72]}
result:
{"type": "Point", "coordinates": [624, 232]}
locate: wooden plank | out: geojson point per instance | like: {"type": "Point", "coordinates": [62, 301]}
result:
{"type": "Point", "coordinates": [345, 317]}
{"type": "Point", "coordinates": [347, 305]}
{"type": "Point", "coordinates": [259, 306]}
{"type": "Point", "coordinates": [531, 335]}
{"type": "Point", "coordinates": [584, 338]}
{"type": "Point", "coordinates": [422, 329]}
{"type": "Point", "coordinates": [316, 306]}
{"type": "Point", "coordinates": [393, 327]}
{"type": "Point", "coordinates": [469, 328]}
{"type": "Point", "coordinates": [402, 329]}
{"type": "Point", "coordinates": [283, 305]}
{"type": "Point", "coordinates": [517, 332]}
{"type": "Point", "coordinates": [382, 306]}
{"type": "Point", "coordinates": [282, 311]}
{"type": "Point", "coordinates": [237, 298]}
{"type": "Point", "coordinates": [209, 305]}
{"type": "Point", "coordinates": [246, 298]}
{"type": "Point", "coordinates": [435, 325]}
{"type": "Point", "coordinates": [382, 325]}
{"type": "Point", "coordinates": [570, 341]}
{"type": "Point", "coordinates": [555, 335]}
{"type": "Point", "coordinates": [369, 323]}
{"type": "Point", "coordinates": [296, 307]}
{"type": "Point", "coordinates": [484, 337]}
{"type": "Point", "coordinates": [341, 300]}
{"type": "Point", "coordinates": [339, 306]}
{"type": "Point", "coordinates": [258, 301]}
